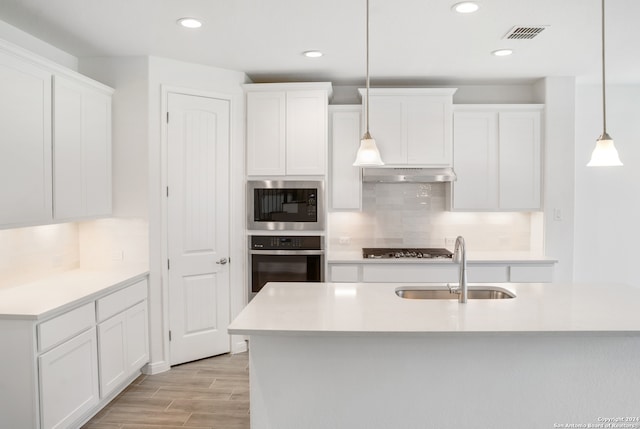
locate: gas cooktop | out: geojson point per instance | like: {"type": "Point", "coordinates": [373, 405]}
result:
{"type": "Point", "coordinates": [404, 253]}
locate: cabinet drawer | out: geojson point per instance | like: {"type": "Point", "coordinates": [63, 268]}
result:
{"type": "Point", "coordinates": [121, 300]}
{"type": "Point", "coordinates": [65, 326]}
{"type": "Point", "coordinates": [486, 274]}
{"type": "Point", "coordinates": [344, 273]}
{"type": "Point", "coordinates": [531, 274]}
{"type": "Point", "coordinates": [413, 273]}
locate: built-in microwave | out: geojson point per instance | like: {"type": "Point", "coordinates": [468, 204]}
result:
{"type": "Point", "coordinates": [285, 205]}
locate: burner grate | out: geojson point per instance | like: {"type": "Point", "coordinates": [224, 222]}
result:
{"type": "Point", "coordinates": [405, 253]}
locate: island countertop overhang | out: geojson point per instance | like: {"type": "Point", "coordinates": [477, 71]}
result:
{"type": "Point", "coordinates": [346, 309]}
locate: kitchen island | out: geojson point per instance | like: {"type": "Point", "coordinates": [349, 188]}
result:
{"type": "Point", "coordinates": [355, 355]}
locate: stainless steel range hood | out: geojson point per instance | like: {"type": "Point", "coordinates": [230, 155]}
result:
{"type": "Point", "coordinates": [408, 175]}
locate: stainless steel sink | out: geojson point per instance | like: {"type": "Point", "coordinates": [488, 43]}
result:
{"type": "Point", "coordinates": [474, 292]}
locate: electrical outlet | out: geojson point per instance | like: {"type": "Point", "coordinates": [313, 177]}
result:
{"type": "Point", "coordinates": [344, 240]}
{"type": "Point", "coordinates": [117, 255]}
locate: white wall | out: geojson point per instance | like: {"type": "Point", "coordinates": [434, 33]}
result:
{"type": "Point", "coordinates": [27, 41]}
{"type": "Point", "coordinates": [558, 95]}
{"type": "Point", "coordinates": [607, 228]}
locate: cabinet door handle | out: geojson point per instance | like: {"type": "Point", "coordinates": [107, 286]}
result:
{"type": "Point", "coordinates": [222, 261]}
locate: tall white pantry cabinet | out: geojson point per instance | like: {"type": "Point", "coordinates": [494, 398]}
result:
{"type": "Point", "coordinates": [55, 148]}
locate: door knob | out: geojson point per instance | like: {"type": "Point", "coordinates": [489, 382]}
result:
{"type": "Point", "coordinates": [222, 261]}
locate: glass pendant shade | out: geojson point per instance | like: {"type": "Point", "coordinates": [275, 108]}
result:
{"type": "Point", "coordinates": [368, 154]}
{"type": "Point", "coordinates": [605, 153]}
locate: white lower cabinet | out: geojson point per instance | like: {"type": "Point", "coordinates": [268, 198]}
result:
{"type": "Point", "coordinates": [59, 370]}
{"type": "Point", "coordinates": [123, 348]}
{"type": "Point", "coordinates": [113, 352]}
{"type": "Point", "coordinates": [482, 272]}
{"type": "Point", "coordinates": [68, 381]}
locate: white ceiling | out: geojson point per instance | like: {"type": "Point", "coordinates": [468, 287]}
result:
{"type": "Point", "coordinates": [412, 41]}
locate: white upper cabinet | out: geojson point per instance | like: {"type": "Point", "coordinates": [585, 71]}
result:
{"type": "Point", "coordinates": [287, 129]}
{"type": "Point", "coordinates": [520, 166]}
{"type": "Point", "coordinates": [412, 126]}
{"type": "Point", "coordinates": [497, 152]}
{"type": "Point", "coordinates": [82, 150]}
{"type": "Point", "coordinates": [266, 133]}
{"type": "Point", "coordinates": [25, 142]}
{"type": "Point", "coordinates": [55, 149]}
{"type": "Point", "coordinates": [345, 133]}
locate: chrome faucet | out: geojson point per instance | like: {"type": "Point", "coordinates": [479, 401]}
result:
{"type": "Point", "coordinates": [460, 256]}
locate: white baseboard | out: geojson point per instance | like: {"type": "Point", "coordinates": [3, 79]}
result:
{"type": "Point", "coordinates": [238, 344]}
{"type": "Point", "coordinates": [156, 367]}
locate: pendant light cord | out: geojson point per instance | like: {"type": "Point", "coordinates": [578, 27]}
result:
{"type": "Point", "coordinates": [367, 57]}
{"type": "Point", "coordinates": [604, 100]}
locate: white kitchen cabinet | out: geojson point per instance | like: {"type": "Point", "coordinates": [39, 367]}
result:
{"type": "Point", "coordinates": [25, 143]}
{"type": "Point", "coordinates": [442, 272]}
{"type": "Point", "coordinates": [55, 153]}
{"type": "Point", "coordinates": [412, 126]}
{"type": "Point", "coordinates": [64, 365]}
{"type": "Point", "coordinates": [113, 352]}
{"type": "Point", "coordinates": [82, 150]}
{"type": "Point", "coordinates": [342, 273]}
{"type": "Point", "coordinates": [345, 129]}
{"type": "Point", "coordinates": [68, 381]}
{"type": "Point", "coordinates": [122, 335]}
{"type": "Point", "coordinates": [287, 129]}
{"type": "Point", "coordinates": [497, 157]}
{"type": "Point", "coordinates": [266, 133]}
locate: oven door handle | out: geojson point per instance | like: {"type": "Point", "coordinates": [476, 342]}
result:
{"type": "Point", "coordinates": [286, 252]}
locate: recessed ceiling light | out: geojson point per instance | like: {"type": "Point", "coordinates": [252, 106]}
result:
{"type": "Point", "coordinates": [466, 7]}
{"type": "Point", "coordinates": [312, 54]}
{"type": "Point", "coordinates": [502, 52]}
{"type": "Point", "coordinates": [190, 22]}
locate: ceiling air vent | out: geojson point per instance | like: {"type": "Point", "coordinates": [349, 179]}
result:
{"type": "Point", "coordinates": [524, 32]}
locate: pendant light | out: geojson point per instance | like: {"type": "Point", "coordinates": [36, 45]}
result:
{"type": "Point", "coordinates": [368, 154]}
{"type": "Point", "coordinates": [605, 153]}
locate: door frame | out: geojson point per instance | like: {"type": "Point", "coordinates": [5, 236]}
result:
{"type": "Point", "coordinates": [237, 237]}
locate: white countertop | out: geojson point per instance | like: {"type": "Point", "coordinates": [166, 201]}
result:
{"type": "Point", "coordinates": [516, 257]}
{"type": "Point", "coordinates": [374, 308]}
{"type": "Point", "coordinates": [42, 298]}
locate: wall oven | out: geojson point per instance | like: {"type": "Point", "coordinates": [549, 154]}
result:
{"type": "Point", "coordinates": [281, 205]}
{"type": "Point", "coordinates": [284, 259]}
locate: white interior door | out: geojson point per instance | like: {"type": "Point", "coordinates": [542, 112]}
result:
{"type": "Point", "coordinates": [198, 226]}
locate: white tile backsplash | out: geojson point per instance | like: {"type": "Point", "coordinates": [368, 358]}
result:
{"type": "Point", "coordinates": [114, 243]}
{"type": "Point", "coordinates": [28, 254]}
{"type": "Point", "coordinates": [415, 215]}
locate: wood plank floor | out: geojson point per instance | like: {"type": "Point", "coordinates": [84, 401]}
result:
{"type": "Point", "coordinates": [207, 394]}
